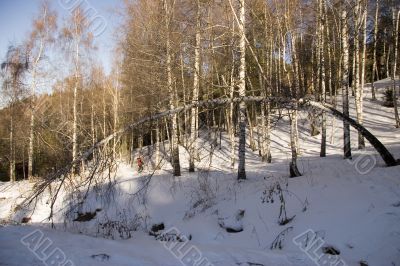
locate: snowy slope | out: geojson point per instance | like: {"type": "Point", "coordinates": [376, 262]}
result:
{"type": "Point", "coordinates": [354, 206]}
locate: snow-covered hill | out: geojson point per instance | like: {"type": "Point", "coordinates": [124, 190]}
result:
{"type": "Point", "coordinates": [352, 207]}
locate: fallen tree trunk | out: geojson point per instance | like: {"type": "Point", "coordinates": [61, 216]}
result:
{"type": "Point", "coordinates": [290, 103]}
{"type": "Point", "coordinates": [379, 147]}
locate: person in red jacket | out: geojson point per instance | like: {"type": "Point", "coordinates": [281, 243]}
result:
{"type": "Point", "coordinates": [140, 164]}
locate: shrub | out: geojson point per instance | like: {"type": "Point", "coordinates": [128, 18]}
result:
{"type": "Point", "coordinates": [388, 97]}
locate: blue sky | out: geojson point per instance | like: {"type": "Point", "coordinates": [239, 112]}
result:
{"type": "Point", "coordinates": [16, 18]}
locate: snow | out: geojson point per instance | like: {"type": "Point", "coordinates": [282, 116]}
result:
{"type": "Point", "coordinates": [352, 207]}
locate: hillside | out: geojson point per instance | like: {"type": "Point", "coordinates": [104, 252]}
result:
{"type": "Point", "coordinates": [352, 206]}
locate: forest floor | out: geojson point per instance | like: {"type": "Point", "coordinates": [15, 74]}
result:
{"type": "Point", "coordinates": [351, 207]}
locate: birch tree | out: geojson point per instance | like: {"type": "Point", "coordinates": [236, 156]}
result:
{"type": "Point", "coordinates": [78, 38]}
{"type": "Point", "coordinates": [374, 59]}
{"type": "Point", "coordinates": [14, 69]}
{"type": "Point", "coordinates": [115, 89]}
{"type": "Point", "coordinates": [242, 92]}
{"type": "Point", "coordinates": [41, 36]}
{"type": "Point", "coordinates": [294, 171]}
{"type": "Point", "coordinates": [196, 88]}
{"type": "Point", "coordinates": [168, 9]}
{"type": "Point", "coordinates": [321, 68]}
{"type": "Point", "coordinates": [361, 141]}
{"type": "Point", "coordinates": [396, 15]}
{"type": "Point", "coordinates": [345, 84]}
{"type": "Point", "coordinates": [358, 90]}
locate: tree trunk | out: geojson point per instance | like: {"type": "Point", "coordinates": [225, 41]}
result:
{"type": "Point", "coordinates": [158, 139]}
{"type": "Point", "coordinates": [92, 125]}
{"type": "Point", "coordinates": [242, 93]}
{"type": "Point", "coordinates": [265, 150]}
{"type": "Point", "coordinates": [322, 74]}
{"type": "Point", "coordinates": [12, 147]}
{"type": "Point", "coordinates": [31, 138]}
{"type": "Point", "coordinates": [32, 122]}
{"type": "Point", "coordinates": [294, 171]}
{"type": "Point", "coordinates": [74, 124]}
{"type": "Point", "coordinates": [174, 133]}
{"type": "Point", "coordinates": [250, 121]}
{"type": "Point", "coordinates": [356, 85]}
{"type": "Point", "coordinates": [345, 86]}
{"type": "Point", "coordinates": [232, 123]}
{"type": "Point", "coordinates": [186, 98]}
{"type": "Point", "coordinates": [251, 131]}
{"type": "Point", "coordinates": [116, 122]}
{"type": "Point", "coordinates": [360, 117]}
{"type": "Point", "coordinates": [385, 53]}
{"type": "Point", "coordinates": [387, 58]}
{"type": "Point", "coordinates": [196, 87]}
{"type": "Point", "coordinates": [374, 68]}
{"type": "Point", "coordinates": [394, 63]}
{"type": "Point", "coordinates": [379, 147]}
{"type": "Point", "coordinates": [75, 101]}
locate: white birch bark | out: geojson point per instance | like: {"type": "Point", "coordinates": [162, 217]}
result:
{"type": "Point", "coordinates": [232, 122]}
{"type": "Point", "coordinates": [345, 85]}
{"type": "Point", "coordinates": [322, 76]}
{"type": "Point", "coordinates": [76, 85]}
{"type": "Point", "coordinates": [396, 14]}
{"type": "Point", "coordinates": [33, 95]}
{"type": "Point", "coordinates": [116, 109]}
{"type": "Point", "coordinates": [174, 133]}
{"type": "Point", "coordinates": [158, 139]}
{"type": "Point", "coordinates": [12, 144]}
{"type": "Point", "coordinates": [196, 88]}
{"type": "Point", "coordinates": [75, 99]}
{"type": "Point", "coordinates": [242, 93]}
{"type": "Point", "coordinates": [374, 67]}
{"type": "Point", "coordinates": [360, 118]}
{"type": "Point", "coordinates": [294, 146]}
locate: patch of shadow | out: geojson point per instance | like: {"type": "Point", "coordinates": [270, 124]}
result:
{"type": "Point", "coordinates": [101, 257]}
{"type": "Point", "coordinates": [155, 228]}
{"type": "Point", "coordinates": [249, 264]}
{"type": "Point", "coordinates": [172, 237]}
{"type": "Point", "coordinates": [363, 263]}
{"type": "Point", "coordinates": [396, 205]}
{"type": "Point", "coordinates": [26, 220]}
{"type": "Point", "coordinates": [86, 216]}
{"type": "Point", "coordinates": [286, 221]}
{"type": "Point", "coordinates": [330, 250]}
{"type": "Point", "coordinates": [232, 224]}
{"type": "Point", "coordinates": [233, 230]}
